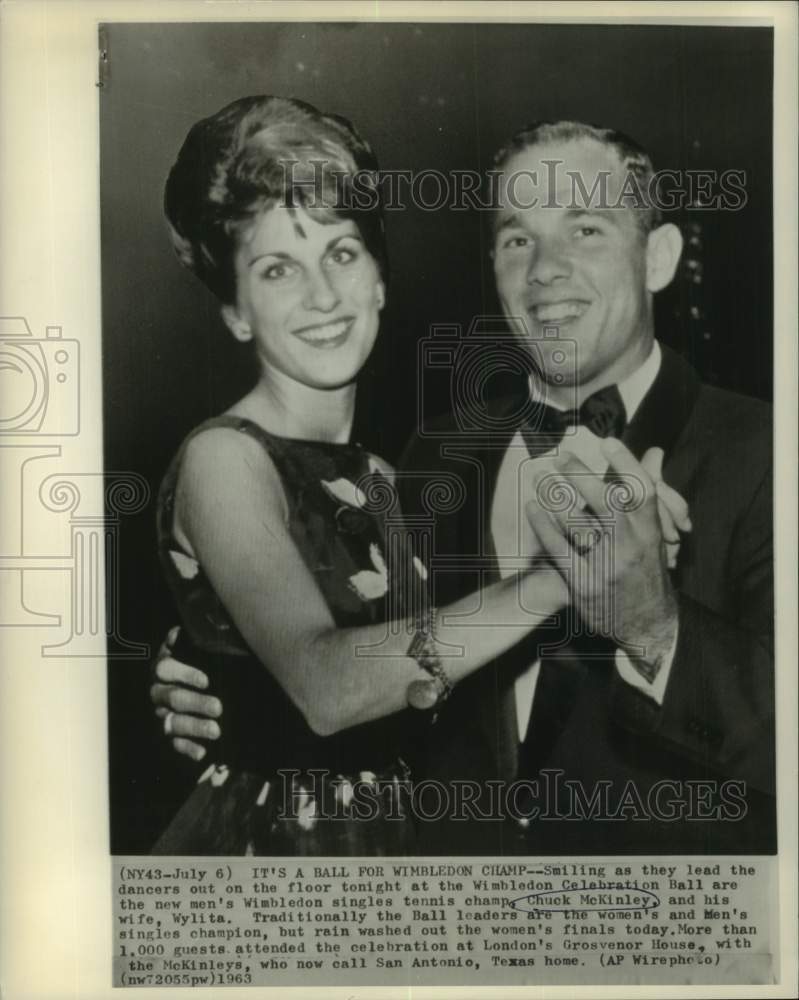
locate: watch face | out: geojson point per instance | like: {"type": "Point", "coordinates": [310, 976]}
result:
{"type": "Point", "coordinates": [422, 694]}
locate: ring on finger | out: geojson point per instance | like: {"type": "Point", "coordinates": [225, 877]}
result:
{"type": "Point", "coordinates": [168, 723]}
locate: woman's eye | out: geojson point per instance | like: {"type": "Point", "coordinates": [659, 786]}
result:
{"type": "Point", "coordinates": [516, 243]}
{"type": "Point", "coordinates": [342, 255]}
{"type": "Point", "coordinates": [275, 272]}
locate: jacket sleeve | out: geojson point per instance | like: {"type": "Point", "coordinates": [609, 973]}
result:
{"type": "Point", "coordinates": [718, 707]}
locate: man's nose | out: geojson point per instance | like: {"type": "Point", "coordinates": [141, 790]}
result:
{"type": "Point", "coordinates": [549, 262]}
{"type": "Point", "coordinates": [320, 292]}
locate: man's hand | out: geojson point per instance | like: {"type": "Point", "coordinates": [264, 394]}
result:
{"type": "Point", "coordinates": [618, 567]}
{"type": "Point", "coordinates": [672, 509]}
{"type": "Point", "coordinates": [187, 713]}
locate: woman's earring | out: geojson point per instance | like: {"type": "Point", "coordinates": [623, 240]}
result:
{"type": "Point", "coordinates": [239, 327]}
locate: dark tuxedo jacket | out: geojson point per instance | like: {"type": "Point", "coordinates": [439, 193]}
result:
{"type": "Point", "coordinates": [615, 772]}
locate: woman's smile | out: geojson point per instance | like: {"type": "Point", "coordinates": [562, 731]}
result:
{"type": "Point", "coordinates": [326, 335]}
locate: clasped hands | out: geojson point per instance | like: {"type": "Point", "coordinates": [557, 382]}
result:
{"type": "Point", "coordinates": [614, 556]}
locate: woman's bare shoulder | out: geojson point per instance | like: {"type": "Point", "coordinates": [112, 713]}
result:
{"type": "Point", "coordinates": [225, 468]}
{"type": "Point", "coordinates": [219, 449]}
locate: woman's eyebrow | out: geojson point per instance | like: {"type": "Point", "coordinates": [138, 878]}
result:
{"type": "Point", "coordinates": [507, 222]}
{"type": "Point", "coordinates": [268, 253]}
{"type": "Point", "coordinates": [343, 236]}
{"type": "Point", "coordinates": [281, 255]}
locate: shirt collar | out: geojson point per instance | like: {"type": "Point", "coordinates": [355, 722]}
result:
{"type": "Point", "coordinates": [633, 388]}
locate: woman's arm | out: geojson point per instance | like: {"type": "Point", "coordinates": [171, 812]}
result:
{"type": "Point", "coordinates": [230, 512]}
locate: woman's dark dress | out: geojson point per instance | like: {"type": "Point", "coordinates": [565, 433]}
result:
{"type": "Point", "coordinates": [271, 785]}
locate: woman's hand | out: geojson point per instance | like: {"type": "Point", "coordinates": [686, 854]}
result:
{"type": "Point", "coordinates": [187, 714]}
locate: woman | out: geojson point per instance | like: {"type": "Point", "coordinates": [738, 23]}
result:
{"type": "Point", "coordinates": [274, 554]}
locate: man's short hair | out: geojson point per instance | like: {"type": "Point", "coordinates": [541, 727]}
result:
{"type": "Point", "coordinates": [634, 158]}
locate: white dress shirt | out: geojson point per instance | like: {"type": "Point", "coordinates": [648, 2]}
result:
{"type": "Point", "coordinates": [513, 537]}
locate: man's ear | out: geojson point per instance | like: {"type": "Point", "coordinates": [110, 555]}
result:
{"type": "Point", "coordinates": [381, 294]}
{"type": "Point", "coordinates": [239, 327]}
{"type": "Point", "coordinates": [663, 251]}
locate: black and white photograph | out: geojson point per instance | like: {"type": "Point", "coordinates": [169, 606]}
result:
{"type": "Point", "coordinates": [418, 284]}
{"type": "Point", "coordinates": [425, 559]}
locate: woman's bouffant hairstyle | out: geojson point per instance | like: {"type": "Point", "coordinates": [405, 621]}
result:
{"type": "Point", "coordinates": [256, 153]}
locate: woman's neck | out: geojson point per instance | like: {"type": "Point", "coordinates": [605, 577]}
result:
{"type": "Point", "coordinates": [290, 409]}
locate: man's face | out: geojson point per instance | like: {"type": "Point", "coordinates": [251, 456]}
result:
{"type": "Point", "coordinates": [567, 268]}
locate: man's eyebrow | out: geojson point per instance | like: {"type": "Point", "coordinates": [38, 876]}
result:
{"type": "Point", "coordinates": [606, 214]}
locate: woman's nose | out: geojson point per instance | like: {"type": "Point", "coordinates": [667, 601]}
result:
{"type": "Point", "coordinates": [320, 292]}
{"type": "Point", "coordinates": [548, 263]}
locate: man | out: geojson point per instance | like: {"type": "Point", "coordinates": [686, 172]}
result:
{"type": "Point", "coordinates": [649, 711]}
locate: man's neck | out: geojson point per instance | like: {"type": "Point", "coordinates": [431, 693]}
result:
{"type": "Point", "coordinates": [624, 369]}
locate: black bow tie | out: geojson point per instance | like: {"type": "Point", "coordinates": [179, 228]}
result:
{"type": "Point", "coordinates": [603, 413]}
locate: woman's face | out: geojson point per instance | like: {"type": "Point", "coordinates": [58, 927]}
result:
{"type": "Point", "coordinates": [309, 294]}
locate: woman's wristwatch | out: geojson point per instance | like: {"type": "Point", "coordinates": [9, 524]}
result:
{"type": "Point", "coordinates": [426, 694]}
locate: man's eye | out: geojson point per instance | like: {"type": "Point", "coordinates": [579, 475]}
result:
{"type": "Point", "coordinates": [584, 231]}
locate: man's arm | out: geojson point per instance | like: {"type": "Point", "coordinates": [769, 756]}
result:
{"type": "Point", "coordinates": [719, 703]}
{"type": "Point", "coordinates": [717, 707]}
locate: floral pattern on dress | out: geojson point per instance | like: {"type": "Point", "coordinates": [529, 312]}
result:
{"type": "Point", "coordinates": [345, 491]}
{"type": "Point", "coordinates": [185, 565]}
{"type": "Point", "coordinates": [370, 584]}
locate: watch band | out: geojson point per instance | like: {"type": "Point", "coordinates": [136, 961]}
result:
{"type": "Point", "coordinates": [426, 694]}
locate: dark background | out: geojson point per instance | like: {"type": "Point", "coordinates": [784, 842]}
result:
{"type": "Point", "coordinates": [441, 96]}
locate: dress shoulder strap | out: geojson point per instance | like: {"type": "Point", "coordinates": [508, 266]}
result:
{"type": "Point", "coordinates": [274, 445]}
{"type": "Point", "coordinates": [236, 423]}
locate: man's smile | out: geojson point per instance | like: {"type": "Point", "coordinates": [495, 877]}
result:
{"type": "Point", "coordinates": [560, 311]}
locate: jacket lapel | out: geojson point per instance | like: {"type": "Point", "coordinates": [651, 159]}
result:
{"type": "Point", "coordinates": [665, 409]}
